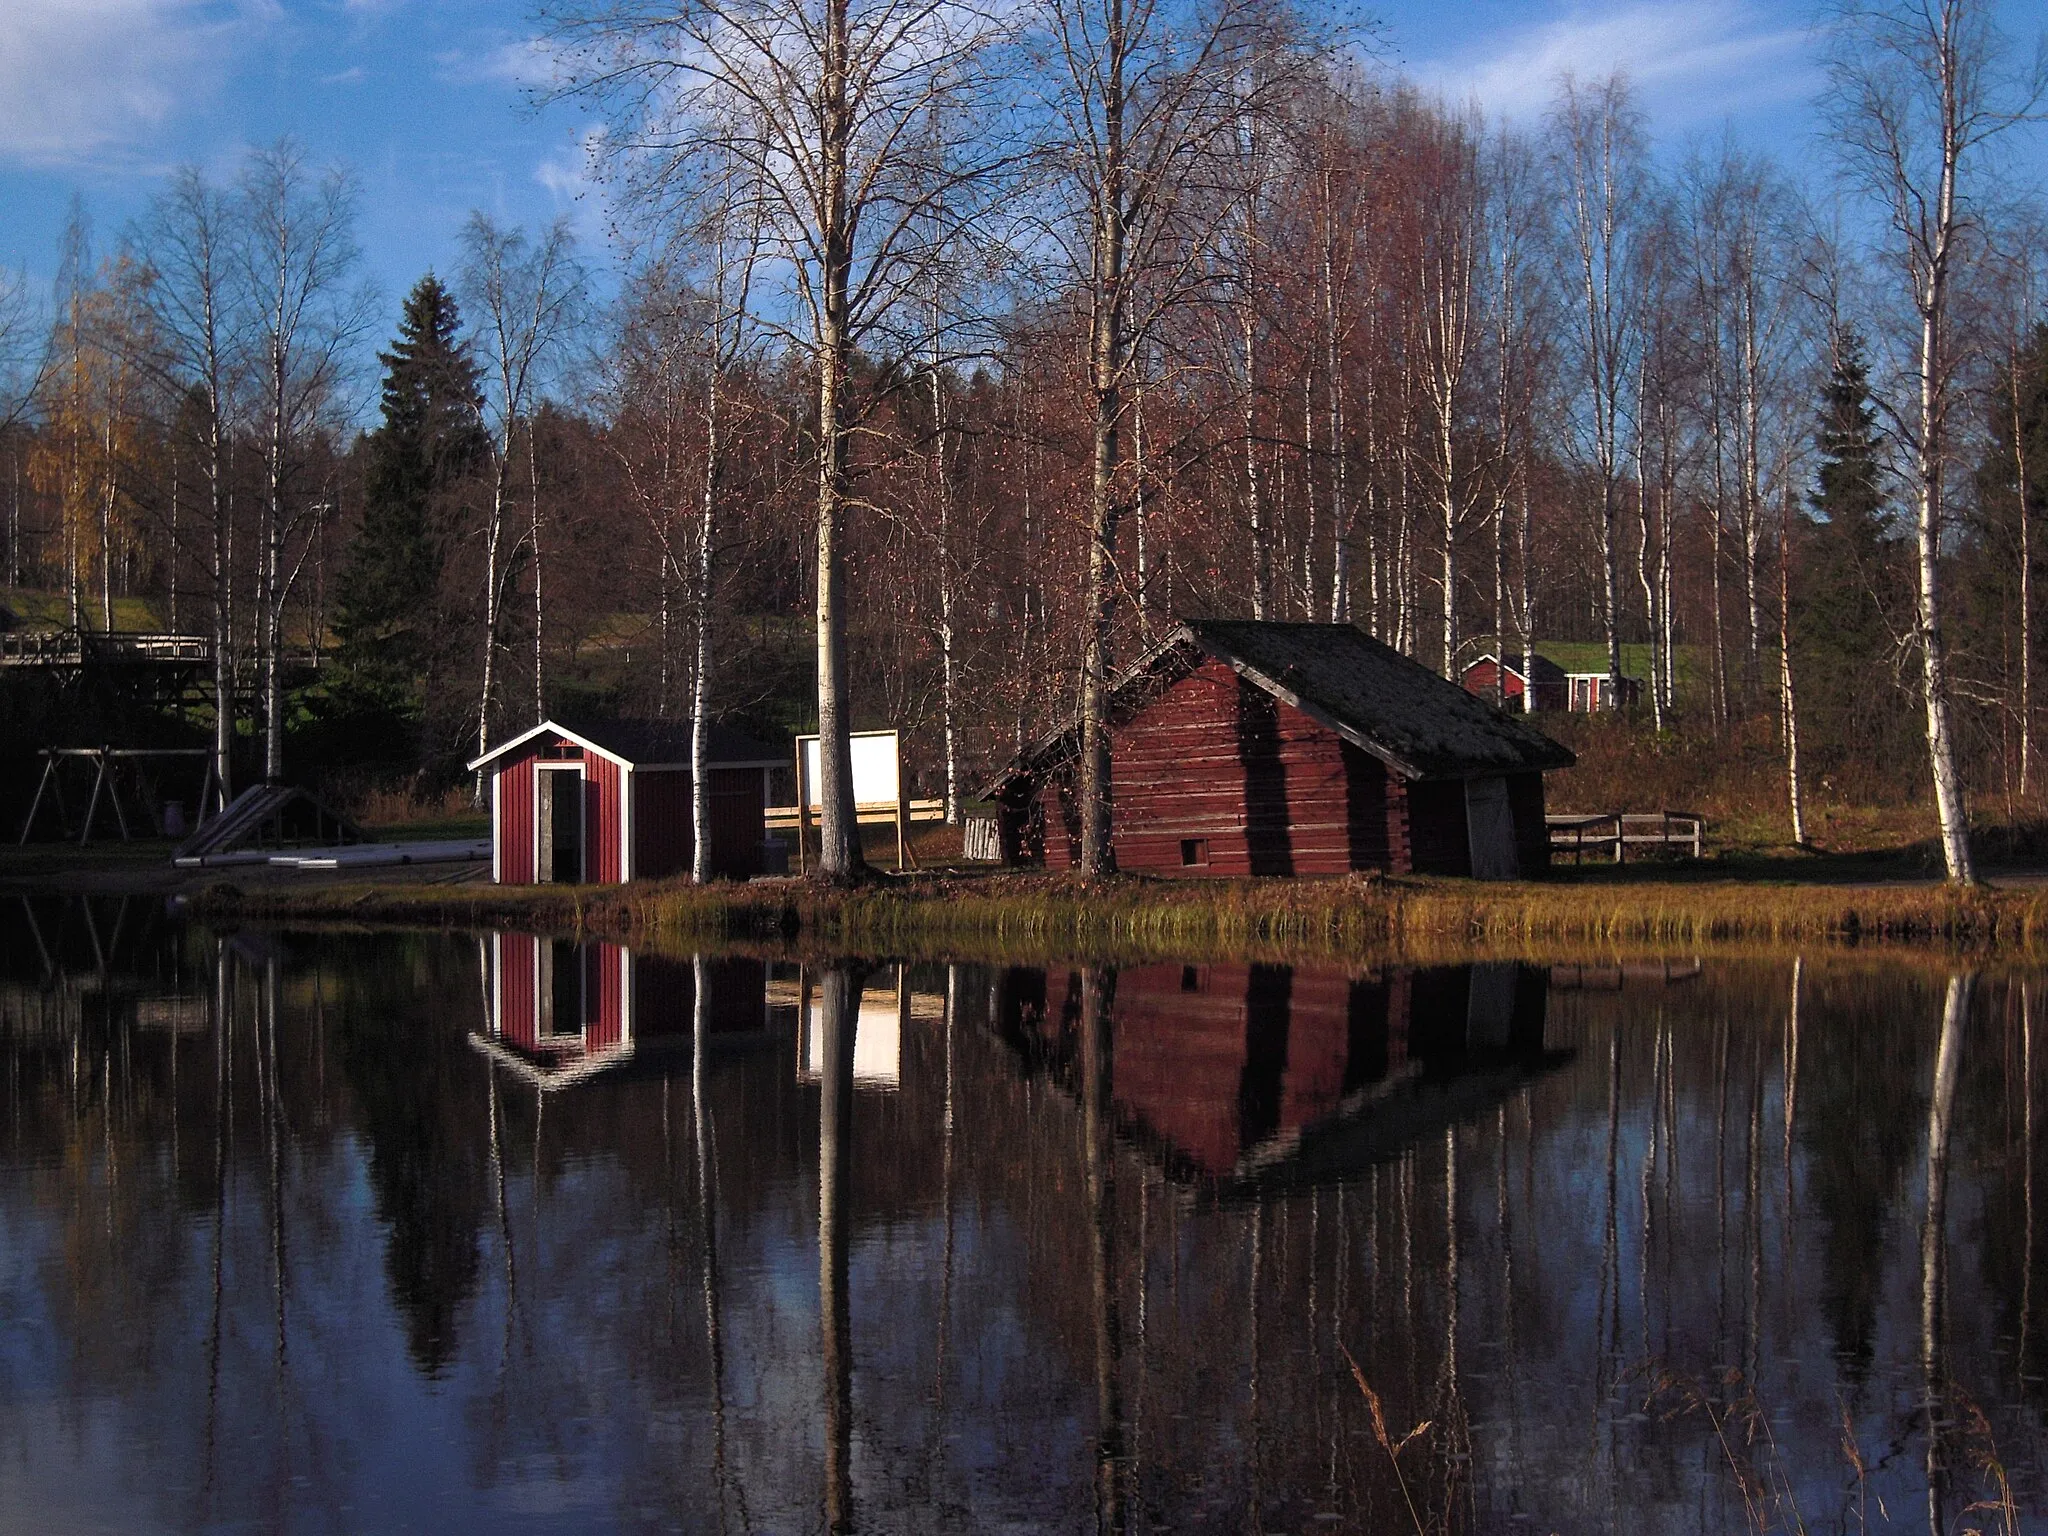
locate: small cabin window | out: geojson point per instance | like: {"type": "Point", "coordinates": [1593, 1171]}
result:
{"type": "Point", "coordinates": [1193, 851]}
{"type": "Point", "coordinates": [1190, 979]}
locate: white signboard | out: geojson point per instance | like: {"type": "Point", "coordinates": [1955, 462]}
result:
{"type": "Point", "coordinates": [876, 779]}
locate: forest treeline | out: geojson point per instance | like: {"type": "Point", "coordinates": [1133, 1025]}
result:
{"type": "Point", "coordinates": [952, 353]}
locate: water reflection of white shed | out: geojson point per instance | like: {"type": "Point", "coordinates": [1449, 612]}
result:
{"type": "Point", "coordinates": [558, 1012]}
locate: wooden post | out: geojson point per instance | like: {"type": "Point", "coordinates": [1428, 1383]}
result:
{"type": "Point", "coordinates": [902, 807]}
{"type": "Point", "coordinates": [92, 808]}
{"type": "Point", "coordinates": [49, 767]}
{"type": "Point", "coordinates": [803, 808]}
{"type": "Point", "coordinates": [114, 798]}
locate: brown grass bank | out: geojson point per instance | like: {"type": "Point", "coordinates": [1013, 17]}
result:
{"type": "Point", "coordinates": [1041, 918]}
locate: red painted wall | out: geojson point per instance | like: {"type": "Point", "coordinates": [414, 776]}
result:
{"type": "Point", "coordinates": [662, 833]}
{"type": "Point", "coordinates": [603, 812]}
{"type": "Point", "coordinates": [514, 830]}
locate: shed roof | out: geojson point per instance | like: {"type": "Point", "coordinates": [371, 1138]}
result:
{"type": "Point", "coordinates": [1419, 724]}
{"type": "Point", "coordinates": [1546, 670]}
{"type": "Point", "coordinates": [648, 744]}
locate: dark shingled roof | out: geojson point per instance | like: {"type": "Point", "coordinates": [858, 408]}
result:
{"type": "Point", "coordinates": [1419, 724]}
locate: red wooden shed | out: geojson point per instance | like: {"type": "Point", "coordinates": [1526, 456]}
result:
{"type": "Point", "coordinates": [1247, 748]}
{"type": "Point", "coordinates": [1548, 690]}
{"type": "Point", "coordinates": [602, 804]}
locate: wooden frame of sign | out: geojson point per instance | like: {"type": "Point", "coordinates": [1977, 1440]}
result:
{"type": "Point", "coordinates": [878, 793]}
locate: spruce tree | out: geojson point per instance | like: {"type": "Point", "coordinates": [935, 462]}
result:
{"type": "Point", "coordinates": [1840, 629]}
{"type": "Point", "coordinates": [387, 596]}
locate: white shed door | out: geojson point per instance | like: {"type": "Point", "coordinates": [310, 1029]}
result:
{"type": "Point", "coordinates": [1490, 830]}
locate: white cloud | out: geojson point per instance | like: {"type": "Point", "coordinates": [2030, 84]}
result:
{"type": "Point", "coordinates": [1690, 62]}
{"type": "Point", "coordinates": [523, 62]}
{"type": "Point", "coordinates": [80, 78]}
{"type": "Point", "coordinates": [566, 175]}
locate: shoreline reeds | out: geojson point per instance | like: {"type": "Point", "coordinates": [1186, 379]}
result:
{"type": "Point", "coordinates": [1019, 917]}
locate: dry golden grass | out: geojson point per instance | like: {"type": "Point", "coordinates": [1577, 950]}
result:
{"type": "Point", "coordinates": [1018, 917]}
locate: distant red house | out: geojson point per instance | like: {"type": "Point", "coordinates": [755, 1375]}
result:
{"type": "Point", "coordinates": [1246, 748]}
{"type": "Point", "coordinates": [1549, 691]}
{"type": "Point", "coordinates": [603, 804]}
{"type": "Point", "coordinates": [1582, 693]}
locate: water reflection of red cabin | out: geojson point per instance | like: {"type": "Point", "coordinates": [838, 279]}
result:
{"type": "Point", "coordinates": [1227, 1066]}
{"type": "Point", "coordinates": [559, 1012]}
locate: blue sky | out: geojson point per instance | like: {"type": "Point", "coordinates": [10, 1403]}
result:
{"type": "Point", "coordinates": [423, 98]}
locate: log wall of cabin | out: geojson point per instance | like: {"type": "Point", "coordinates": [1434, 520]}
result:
{"type": "Point", "coordinates": [1259, 787]}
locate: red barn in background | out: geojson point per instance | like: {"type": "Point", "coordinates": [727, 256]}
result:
{"type": "Point", "coordinates": [603, 804]}
{"type": "Point", "coordinates": [1550, 690]}
{"type": "Point", "coordinates": [1248, 748]}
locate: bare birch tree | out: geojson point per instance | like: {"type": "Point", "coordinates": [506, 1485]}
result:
{"type": "Point", "coordinates": [1919, 90]}
{"type": "Point", "coordinates": [825, 107]}
{"type": "Point", "coordinates": [200, 318]}
{"type": "Point", "coordinates": [1597, 151]}
{"type": "Point", "coordinates": [298, 253]}
{"type": "Point", "coordinates": [524, 300]}
{"type": "Point", "coordinates": [1147, 102]}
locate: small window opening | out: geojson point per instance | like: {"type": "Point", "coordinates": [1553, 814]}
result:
{"type": "Point", "coordinates": [1193, 851]}
{"type": "Point", "coordinates": [1190, 979]}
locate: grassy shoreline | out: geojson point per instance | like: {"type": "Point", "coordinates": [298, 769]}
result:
{"type": "Point", "coordinates": [1126, 919]}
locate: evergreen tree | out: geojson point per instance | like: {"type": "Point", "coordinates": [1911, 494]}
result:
{"type": "Point", "coordinates": [387, 594]}
{"type": "Point", "coordinates": [1849, 555]}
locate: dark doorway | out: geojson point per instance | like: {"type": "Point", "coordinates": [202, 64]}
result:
{"type": "Point", "coordinates": [561, 826]}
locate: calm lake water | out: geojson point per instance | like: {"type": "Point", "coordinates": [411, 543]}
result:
{"type": "Point", "coordinates": [388, 1232]}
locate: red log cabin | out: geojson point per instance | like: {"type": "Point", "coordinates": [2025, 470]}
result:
{"type": "Point", "coordinates": [603, 804]}
{"type": "Point", "coordinates": [1248, 748]}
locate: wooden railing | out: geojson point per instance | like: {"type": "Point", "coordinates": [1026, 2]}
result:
{"type": "Point", "coordinates": [783, 818]}
{"type": "Point", "coordinates": [70, 647]}
{"type": "Point", "coordinates": [1614, 834]}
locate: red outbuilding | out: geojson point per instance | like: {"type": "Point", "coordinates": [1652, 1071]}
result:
{"type": "Point", "coordinates": [1247, 748]}
{"type": "Point", "coordinates": [603, 804]}
{"type": "Point", "coordinates": [1544, 686]}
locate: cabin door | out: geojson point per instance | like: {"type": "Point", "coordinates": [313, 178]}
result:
{"type": "Point", "coordinates": [1490, 829]}
{"type": "Point", "coordinates": [558, 825]}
